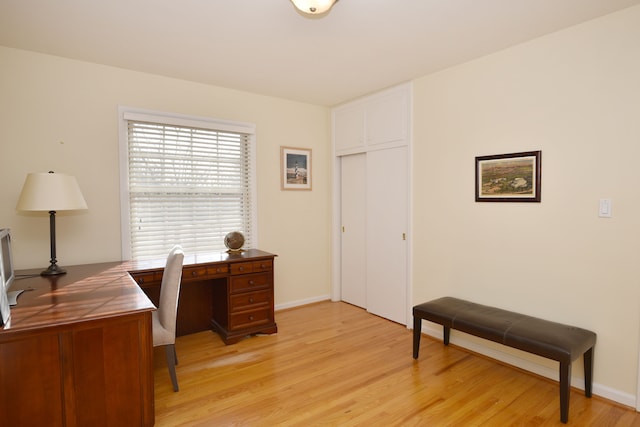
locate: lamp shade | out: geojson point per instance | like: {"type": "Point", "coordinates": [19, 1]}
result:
{"type": "Point", "coordinates": [313, 7]}
{"type": "Point", "coordinates": [50, 192]}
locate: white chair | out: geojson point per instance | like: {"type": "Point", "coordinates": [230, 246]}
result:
{"type": "Point", "coordinates": [164, 318]}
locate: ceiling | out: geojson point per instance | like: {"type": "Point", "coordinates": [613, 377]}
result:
{"type": "Point", "coordinates": [267, 47]}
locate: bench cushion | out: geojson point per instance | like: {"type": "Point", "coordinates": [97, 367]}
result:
{"type": "Point", "coordinates": [552, 340]}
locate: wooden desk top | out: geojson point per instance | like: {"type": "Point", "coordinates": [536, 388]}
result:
{"type": "Point", "coordinates": [86, 292]}
{"type": "Point", "coordinates": [93, 291]}
{"type": "Point", "coordinates": [211, 258]}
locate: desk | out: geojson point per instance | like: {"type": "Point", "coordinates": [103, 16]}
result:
{"type": "Point", "coordinates": [230, 293]}
{"type": "Point", "coordinates": [79, 347]}
{"type": "Point", "coordinates": [78, 351]}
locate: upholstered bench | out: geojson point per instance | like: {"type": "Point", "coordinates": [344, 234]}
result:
{"type": "Point", "coordinates": [547, 339]}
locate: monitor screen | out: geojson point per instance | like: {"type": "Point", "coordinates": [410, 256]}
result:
{"type": "Point", "coordinates": [6, 258]}
{"type": "Point", "coordinates": [7, 274]}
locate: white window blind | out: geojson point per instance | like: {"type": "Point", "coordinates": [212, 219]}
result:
{"type": "Point", "coordinates": [186, 185]}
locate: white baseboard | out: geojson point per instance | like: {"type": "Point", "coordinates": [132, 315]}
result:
{"type": "Point", "coordinates": [301, 302]}
{"type": "Point", "coordinates": [460, 339]}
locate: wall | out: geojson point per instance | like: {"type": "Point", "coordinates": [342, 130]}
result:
{"type": "Point", "coordinates": [58, 114]}
{"type": "Point", "coordinates": [575, 95]}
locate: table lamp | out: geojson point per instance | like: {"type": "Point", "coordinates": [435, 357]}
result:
{"type": "Point", "coordinates": [51, 192]}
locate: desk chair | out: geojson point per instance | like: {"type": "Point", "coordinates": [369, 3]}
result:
{"type": "Point", "coordinates": [164, 318]}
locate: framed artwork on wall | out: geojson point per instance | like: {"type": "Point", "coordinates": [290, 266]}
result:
{"type": "Point", "coordinates": [513, 177]}
{"type": "Point", "coordinates": [295, 168]}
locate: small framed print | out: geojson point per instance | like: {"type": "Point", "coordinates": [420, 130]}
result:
{"type": "Point", "coordinates": [511, 177]}
{"type": "Point", "coordinates": [295, 166]}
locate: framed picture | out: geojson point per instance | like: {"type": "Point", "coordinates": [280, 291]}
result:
{"type": "Point", "coordinates": [295, 166]}
{"type": "Point", "coordinates": [511, 177]}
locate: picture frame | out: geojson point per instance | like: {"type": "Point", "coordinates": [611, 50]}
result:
{"type": "Point", "coordinates": [295, 168]}
{"type": "Point", "coordinates": [513, 177]}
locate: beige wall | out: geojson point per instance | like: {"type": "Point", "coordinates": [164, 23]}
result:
{"type": "Point", "coordinates": [58, 114]}
{"type": "Point", "coordinates": [575, 95]}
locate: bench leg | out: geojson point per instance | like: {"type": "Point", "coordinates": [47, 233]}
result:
{"type": "Point", "coordinates": [417, 331]}
{"type": "Point", "coordinates": [565, 388]}
{"type": "Point", "coordinates": [588, 372]}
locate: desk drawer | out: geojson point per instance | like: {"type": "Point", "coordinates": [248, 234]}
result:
{"type": "Point", "coordinates": [247, 319]}
{"type": "Point", "coordinates": [148, 279]}
{"type": "Point", "coordinates": [218, 270]}
{"type": "Point", "coordinates": [251, 267]}
{"type": "Point", "coordinates": [194, 273]}
{"type": "Point", "coordinates": [249, 300]}
{"type": "Point", "coordinates": [250, 282]}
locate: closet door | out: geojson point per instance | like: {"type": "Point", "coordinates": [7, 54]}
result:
{"type": "Point", "coordinates": [349, 128]}
{"type": "Point", "coordinates": [387, 225]}
{"type": "Point", "coordinates": [353, 229]}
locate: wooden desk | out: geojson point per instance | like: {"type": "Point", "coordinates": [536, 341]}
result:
{"type": "Point", "coordinates": [230, 293]}
{"type": "Point", "coordinates": [78, 350]}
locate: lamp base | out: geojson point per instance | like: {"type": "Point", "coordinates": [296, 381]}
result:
{"type": "Point", "coordinates": [53, 270]}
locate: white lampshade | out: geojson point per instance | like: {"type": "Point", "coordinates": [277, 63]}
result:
{"type": "Point", "coordinates": [50, 192]}
{"type": "Point", "coordinates": [313, 7]}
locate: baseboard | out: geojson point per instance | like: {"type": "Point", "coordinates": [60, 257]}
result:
{"type": "Point", "coordinates": [301, 302]}
{"type": "Point", "coordinates": [461, 340]}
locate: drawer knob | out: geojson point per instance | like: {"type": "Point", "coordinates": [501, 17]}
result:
{"type": "Point", "coordinates": [241, 268]}
{"type": "Point", "coordinates": [218, 270]}
{"type": "Point", "coordinates": [141, 280]}
{"type": "Point", "coordinates": [251, 282]}
{"type": "Point", "coordinates": [251, 300]}
{"type": "Point", "coordinates": [250, 317]}
{"type": "Point", "coordinates": [194, 273]}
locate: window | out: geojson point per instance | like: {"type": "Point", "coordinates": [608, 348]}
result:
{"type": "Point", "coordinates": [186, 181]}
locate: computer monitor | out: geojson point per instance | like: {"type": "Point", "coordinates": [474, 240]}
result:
{"type": "Point", "coordinates": [7, 274]}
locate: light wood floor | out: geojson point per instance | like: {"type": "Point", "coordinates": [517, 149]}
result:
{"type": "Point", "coordinates": [332, 364]}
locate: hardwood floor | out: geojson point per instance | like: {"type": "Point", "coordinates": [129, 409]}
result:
{"type": "Point", "coordinates": [333, 364]}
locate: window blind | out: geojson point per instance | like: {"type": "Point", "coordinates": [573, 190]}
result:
{"type": "Point", "coordinates": [187, 186]}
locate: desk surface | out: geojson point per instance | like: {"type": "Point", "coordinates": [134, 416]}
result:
{"type": "Point", "coordinates": [93, 291]}
{"type": "Point", "coordinates": [210, 258]}
{"type": "Point", "coordinates": [86, 292]}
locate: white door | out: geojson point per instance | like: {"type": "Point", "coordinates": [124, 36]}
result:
{"type": "Point", "coordinates": [353, 229]}
{"type": "Point", "coordinates": [387, 224]}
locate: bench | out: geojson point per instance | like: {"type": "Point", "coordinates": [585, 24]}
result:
{"type": "Point", "coordinates": [547, 339]}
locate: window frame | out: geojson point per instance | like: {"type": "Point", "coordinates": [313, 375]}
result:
{"type": "Point", "coordinates": [125, 114]}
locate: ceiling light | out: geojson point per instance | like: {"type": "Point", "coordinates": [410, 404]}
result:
{"type": "Point", "coordinates": [313, 7]}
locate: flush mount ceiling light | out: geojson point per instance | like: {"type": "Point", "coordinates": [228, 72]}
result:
{"type": "Point", "coordinates": [313, 7]}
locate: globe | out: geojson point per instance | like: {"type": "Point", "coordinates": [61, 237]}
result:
{"type": "Point", "coordinates": [234, 241]}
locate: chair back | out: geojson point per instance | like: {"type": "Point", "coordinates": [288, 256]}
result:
{"type": "Point", "coordinates": [170, 289]}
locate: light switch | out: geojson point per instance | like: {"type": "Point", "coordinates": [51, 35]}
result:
{"type": "Point", "coordinates": [605, 208]}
